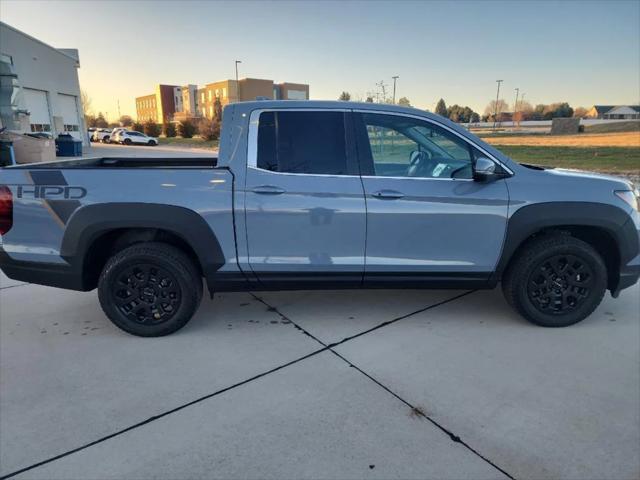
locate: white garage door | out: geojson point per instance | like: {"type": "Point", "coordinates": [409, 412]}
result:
{"type": "Point", "coordinates": [38, 107]}
{"type": "Point", "coordinates": [69, 112]}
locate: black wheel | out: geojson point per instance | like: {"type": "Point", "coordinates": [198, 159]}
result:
{"type": "Point", "coordinates": [105, 139]}
{"type": "Point", "coordinates": [557, 280]}
{"type": "Point", "coordinates": [127, 141]}
{"type": "Point", "coordinates": [151, 143]}
{"type": "Point", "coordinates": [150, 289]}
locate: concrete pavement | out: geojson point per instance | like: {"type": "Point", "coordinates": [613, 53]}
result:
{"type": "Point", "coordinates": [416, 384]}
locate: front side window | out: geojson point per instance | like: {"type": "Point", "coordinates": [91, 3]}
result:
{"type": "Point", "coordinates": [398, 146]}
{"type": "Point", "coordinates": [302, 142]}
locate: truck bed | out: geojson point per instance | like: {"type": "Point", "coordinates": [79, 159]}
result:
{"type": "Point", "coordinates": [123, 162]}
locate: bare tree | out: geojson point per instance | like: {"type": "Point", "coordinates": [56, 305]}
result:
{"type": "Point", "coordinates": [85, 99]}
{"type": "Point", "coordinates": [491, 109]}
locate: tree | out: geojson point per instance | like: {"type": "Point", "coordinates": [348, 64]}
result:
{"type": "Point", "coordinates": [137, 127]}
{"type": "Point", "coordinates": [369, 99]}
{"type": "Point", "coordinates": [490, 109]}
{"type": "Point", "coordinates": [169, 130]}
{"type": "Point", "coordinates": [85, 99]}
{"type": "Point", "coordinates": [126, 120]}
{"type": "Point", "coordinates": [404, 101]}
{"type": "Point", "coordinates": [90, 120]}
{"type": "Point", "coordinates": [441, 108]}
{"type": "Point", "coordinates": [217, 109]}
{"type": "Point", "coordinates": [580, 112]}
{"type": "Point", "coordinates": [457, 113]}
{"type": "Point", "coordinates": [101, 122]}
{"type": "Point", "coordinates": [151, 128]}
{"type": "Point", "coordinates": [186, 129]}
{"type": "Point", "coordinates": [345, 96]}
{"type": "Point", "coordinates": [209, 128]}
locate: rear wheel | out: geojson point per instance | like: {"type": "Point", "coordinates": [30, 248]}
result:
{"type": "Point", "coordinates": [556, 281]}
{"type": "Point", "coordinates": [127, 141]}
{"type": "Point", "coordinates": [105, 139]}
{"type": "Point", "coordinates": [150, 289]}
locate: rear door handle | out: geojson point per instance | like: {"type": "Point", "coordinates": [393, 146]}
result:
{"type": "Point", "coordinates": [268, 190]}
{"type": "Point", "coordinates": [390, 194]}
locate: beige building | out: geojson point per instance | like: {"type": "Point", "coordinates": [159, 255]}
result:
{"type": "Point", "coordinates": [190, 101]}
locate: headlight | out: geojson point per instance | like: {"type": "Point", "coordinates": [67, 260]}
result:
{"type": "Point", "coordinates": [632, 197]}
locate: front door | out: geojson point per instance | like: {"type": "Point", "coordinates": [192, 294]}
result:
{"type": "Point", "coordinates": [427, 219]}
{"type": "Point", "coordinates": [304, 201]}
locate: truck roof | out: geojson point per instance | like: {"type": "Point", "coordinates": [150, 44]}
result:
{"type": "Point", "coordinates": [266, 104]}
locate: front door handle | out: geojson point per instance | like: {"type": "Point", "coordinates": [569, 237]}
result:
{"type": "Point", "coordinates": [390, 194]}
{"type": "Point", "coordinates": [268, 190]}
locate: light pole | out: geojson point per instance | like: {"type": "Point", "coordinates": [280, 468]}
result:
{"type": "Point", "coordinates": [515, 107]}
{"type": "Point", "coordinates": [495, 113]}
{"type": "Point", "coordinates": [394, 88]}
{"type": "Point", "coordinates": [237, 82]}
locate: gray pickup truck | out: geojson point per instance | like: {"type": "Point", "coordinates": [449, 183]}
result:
{"type": "Point", "coordinates": [307, 195]}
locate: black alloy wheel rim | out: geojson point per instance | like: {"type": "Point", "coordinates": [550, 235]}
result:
{"type": "Point", "coordinates": [146, 294]}
{"type": "Point", "coordinates": [560, 284]}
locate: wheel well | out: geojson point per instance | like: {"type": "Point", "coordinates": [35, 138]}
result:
{"type": "Point", "coordinates": [601, 240]}
{"type": "Point", "coordinates": [109, 243]}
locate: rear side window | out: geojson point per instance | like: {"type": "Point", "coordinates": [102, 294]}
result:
{"type": "Point", "coordinates": [302, 142]}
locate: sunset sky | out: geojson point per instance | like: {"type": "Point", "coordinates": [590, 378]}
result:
{"type": "Point", "coordinates": [582, 52]}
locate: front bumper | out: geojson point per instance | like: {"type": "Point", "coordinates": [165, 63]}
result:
{"type": "Point", "coordinates": [630, 269]}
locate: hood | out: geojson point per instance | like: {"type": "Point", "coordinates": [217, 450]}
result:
{"type": "Point", "coordinates": [620, 183]}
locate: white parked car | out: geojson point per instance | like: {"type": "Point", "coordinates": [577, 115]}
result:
{"type": "Point", "coordinates": [101, 135]}
{"type": "Point", "coordinates": [127, 137]}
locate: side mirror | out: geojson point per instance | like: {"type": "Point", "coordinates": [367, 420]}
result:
{"type": "Point", "coordinates": [485, 170]}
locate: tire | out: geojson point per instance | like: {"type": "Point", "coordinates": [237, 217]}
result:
{"type": "Point", "coordinates": [127, 141]}
{"type": "Point", "coordinates": [555, 281]}
{"type": "Point", "coordinates": [150, 289]}
{"type": "Point", "coordinates": [151, 143]}
{"type": "Point", "coordinates": [105, 139]}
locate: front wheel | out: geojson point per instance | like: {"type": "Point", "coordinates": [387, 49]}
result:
{"type": "Point", "coordinates": [557, 280]}
{"type": "Point", "coordinates": [152, 143]}
{"type": "Point", "coordinates": [150, 289]}
{"type": "Point", "coordinates": [127, 141]}
{"type": "Point", "coordinates": [105, 140]}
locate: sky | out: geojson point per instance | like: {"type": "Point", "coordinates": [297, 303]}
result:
{"type": "Point", "coordinates": [583, 52]}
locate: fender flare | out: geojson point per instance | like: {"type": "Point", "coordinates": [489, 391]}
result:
{"type": "Point", "coordinates": [538, 217]}
{"type": "Point", "coordinates": [90, 222]}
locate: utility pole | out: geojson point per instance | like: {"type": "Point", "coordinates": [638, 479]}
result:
{"type": "Point", "coordinates": [394, 88]}
{"type": "Point", "coordinates": [237, 82]}
{"type": "Point", "coordinates": [515, 107]}
{"type": "Point", "coordinates": [495, 113]}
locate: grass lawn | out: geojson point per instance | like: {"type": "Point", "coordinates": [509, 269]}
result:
{"type": "Point", "coordinates": [602, 159]}
{"type": "Point", "coordinates": [195, 142]}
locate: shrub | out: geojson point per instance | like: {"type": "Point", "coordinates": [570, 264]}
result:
{"type": "Point", "coordinates": [151, 128]}
{"type": "Point", "coordinates": [209, 129]}
{"type": "Point", "coordinates": [169, 130]}
{"type": "Point", "coordinates": [137, 127]}
{"type": "Point", "coordinates": [186, 129]}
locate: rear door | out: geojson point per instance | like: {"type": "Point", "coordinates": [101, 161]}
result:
{"type": "Point", "coordinates": [427, 219]}
{"type": "Point", "coordinates": [304, 201]}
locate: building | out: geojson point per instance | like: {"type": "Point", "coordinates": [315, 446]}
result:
{"type": "Point", "coordinates": [161, 105]}
{"type": "Point", "coordinates": [194, 102]}
{"type": "Point", "coordinates": [614, 112]}
{"type": "Point", "coordinates": [39, 91]}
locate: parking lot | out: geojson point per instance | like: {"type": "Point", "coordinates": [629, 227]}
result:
{"type": "Point", "coordinates": [340, 384]}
